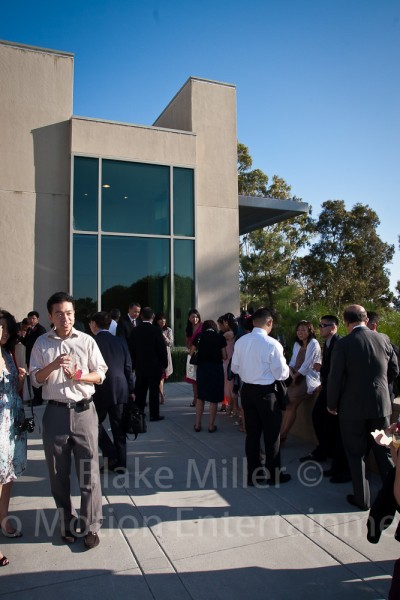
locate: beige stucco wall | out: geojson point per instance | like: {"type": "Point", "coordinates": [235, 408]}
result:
{"type": "Point", "coordinates": [209, 109]}
{"type": "Point", "coordinates": [132, 142]}
{"type": "Point", "coordinates": [35, 105]}
{"type": "Point", "coordinates": [197, 129]}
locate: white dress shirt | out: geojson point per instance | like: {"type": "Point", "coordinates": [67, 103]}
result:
{"type": "Point", "coordinates": [86, 356]}
{"type": "Point", "coordinates": [258, 358]}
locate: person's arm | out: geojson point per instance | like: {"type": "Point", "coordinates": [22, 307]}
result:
{"type": "Point", "coordinates": [39, 375]}
{"type": "Point", "coordinates": [278, 366]}
{"type": "Point", "coordinates": [224, 353]}
{"type": "Point", "coordinates": [313, 355]}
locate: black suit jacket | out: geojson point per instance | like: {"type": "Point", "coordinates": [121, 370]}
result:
{"type": "Point", "coordinates": [125, 327]}
{"type": "Point", "coordinates": [118, 383]}
{"type": "Point", "coordinates": [30, 338]}
{"type": "Point", "coordinates": [363, 363]}
{"type": "Point", "coordinates": [148, 350]}
{"type": "Point", "coordinates": [326, 360]}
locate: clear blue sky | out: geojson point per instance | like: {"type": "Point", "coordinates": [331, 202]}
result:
{"type": "Point", "coordinates": [318, 86]}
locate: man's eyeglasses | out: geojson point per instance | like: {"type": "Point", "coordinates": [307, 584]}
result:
{"type": "Point", "coordinates": [322, 325]}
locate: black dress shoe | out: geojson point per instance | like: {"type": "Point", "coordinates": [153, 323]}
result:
{"type": "Point", "coordinates": [91, 540]}
{"type": "Point", "coordinates": [160, 418]}
{"type": "Point", "coordinates": [68, 537]}
{"type": "Point", "coordinates": [351, 500]}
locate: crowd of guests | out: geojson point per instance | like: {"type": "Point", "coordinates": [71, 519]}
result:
{"type": "Point", "coordinates": [238, 366]}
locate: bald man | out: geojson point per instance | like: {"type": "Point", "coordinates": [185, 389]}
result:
{"type": "Point", "coordinates": [363, 363]}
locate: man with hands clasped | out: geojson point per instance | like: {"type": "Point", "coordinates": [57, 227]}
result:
{"type": "Point", "coordinates": [67, 363]}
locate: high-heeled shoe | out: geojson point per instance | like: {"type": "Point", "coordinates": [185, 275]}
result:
{"type": "Point", "coordinates": [4, 561]}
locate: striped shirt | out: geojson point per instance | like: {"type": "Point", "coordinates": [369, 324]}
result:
{"type": "Point", "coordinates": [85, 355]}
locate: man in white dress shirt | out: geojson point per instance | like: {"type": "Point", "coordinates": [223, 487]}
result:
{"type": "Point", "coordinates": [67, 363]}
{"type": "Point", "coordinates": [259, 361]}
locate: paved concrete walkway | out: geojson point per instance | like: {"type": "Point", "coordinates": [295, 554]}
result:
{"type": "Point", "coordinates": [182, 525]}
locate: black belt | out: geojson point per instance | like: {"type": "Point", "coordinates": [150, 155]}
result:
{"type": "Point", "coordinates": [269, 387]}
{"type": "Point", "coordinates": [71, 404]}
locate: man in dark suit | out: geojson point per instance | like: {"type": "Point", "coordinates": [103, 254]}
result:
{"type": "Point", "coordinates": [149, 360]}
{"type": "Point", "coordinates": [129, 321]}
{"type": "Point", "coordinates": [363, 363]}
{"type": "Point", "coordinates": [113, 394]}
{"type": "Point", "coordinates": [35, 330]}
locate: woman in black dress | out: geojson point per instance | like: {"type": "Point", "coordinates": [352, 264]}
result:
{"type": "Point", "coordinates": [210, 346]}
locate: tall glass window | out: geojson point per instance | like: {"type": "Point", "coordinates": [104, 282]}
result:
{"type": "Point", "coordinates": [86, 194]}
{"type": "Point", "coordinates": [126, 256]}
{"type": "Point", "coordinates": [183, 202]}
{"type": "Point", "coordinates": [135, 269]}
{"type": "Point", "coordinates": [135, 198]}
{"type": "Point", "coordinates": [183, 286]}
{"type": "Point", "coordinates": [85, 274]}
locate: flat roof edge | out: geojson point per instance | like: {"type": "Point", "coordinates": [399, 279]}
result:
{"type": "Point", "coordinates": [36, 48]}
{"type": "Point", "coordinates": [124, 124]}
{"type": "Point", "coordinates": [188, 80]}
{"type": "Point", "coordinates": [263, 202]}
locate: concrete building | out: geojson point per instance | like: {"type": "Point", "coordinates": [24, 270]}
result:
{"type": "Point", "coordinates": [115, 212]}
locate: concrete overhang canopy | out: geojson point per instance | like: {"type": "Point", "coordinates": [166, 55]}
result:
{"type": "Point", "coordinates": [256, 212]}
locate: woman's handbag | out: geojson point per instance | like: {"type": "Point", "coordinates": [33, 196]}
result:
{"type": "Point", "coordinates": [194, 358]}
{"type": "Point", "coordinates": [191, 370]}
{"type": "Point", "coordinates": [133, 420]}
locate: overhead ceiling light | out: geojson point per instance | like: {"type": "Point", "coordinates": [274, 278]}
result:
{"type": "Point", "coordinates": [106, 185]}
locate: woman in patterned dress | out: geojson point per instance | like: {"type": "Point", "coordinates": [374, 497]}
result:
{"type": "Point", "coordinates": [12, 442]}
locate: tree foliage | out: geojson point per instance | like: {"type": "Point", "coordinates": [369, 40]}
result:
{"type": "Point", "coordinates": [348, 261]}
{"type": "Point", "coordinates": [266, 255]}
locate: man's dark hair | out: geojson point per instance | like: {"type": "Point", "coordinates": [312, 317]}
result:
{"type": "Point", "coordinates": [33, 313]}
{"type": "Point", "coordinates": [262, 315]}
{"type": "Point", "coordinates": [132, 304]}
{"type": "Point", "coordinates": [373, 317]}
{"type": "Point", "coordinates": [147, 313]}
{"type": "Point", "coordinates": [12, 328]}
{"type": "Point", "coordinates": [115, 313]}
{"type": "Point", "coordinates": [331, 318]}
{"type": "Point", "coordinates": [57, 298]}
{"type": "Point", "coordinates": [102, 319]}
{"type": "Point", "coordinates": [210, 324]}
{"type": "Point", "coordinates": [353, 316]}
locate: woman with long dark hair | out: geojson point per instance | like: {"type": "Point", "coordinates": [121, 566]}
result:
{"type": "Point", "coordinates": [12, 440]}
{"type": "Point", "coordinates": [211, 351]}
{"type": "Point", "coordinates": [160, 320]}
{"type": "Point", "coordinates": [193, 328]}
{"type": "Point", "coordinates": [305, 380]}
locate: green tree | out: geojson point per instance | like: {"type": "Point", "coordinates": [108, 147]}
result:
{"type": "Point", "coordinates": [348, 261]}
{"type": "Point", "coordinates": [266, 255]}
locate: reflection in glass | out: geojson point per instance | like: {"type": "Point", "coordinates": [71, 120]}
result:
{"type": "Point", "coordinates": [135, 198]}
{"type": "Point", "coordinates": [183, 201]}
{"type": "Point", "coordinates": [184, 286]}
{"type": "Point", "coordinates": [135, 269]}
{"type": "Point", "coordinates": [84, 275]}
{"type": "Point", "coordinates": [86, 179]}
